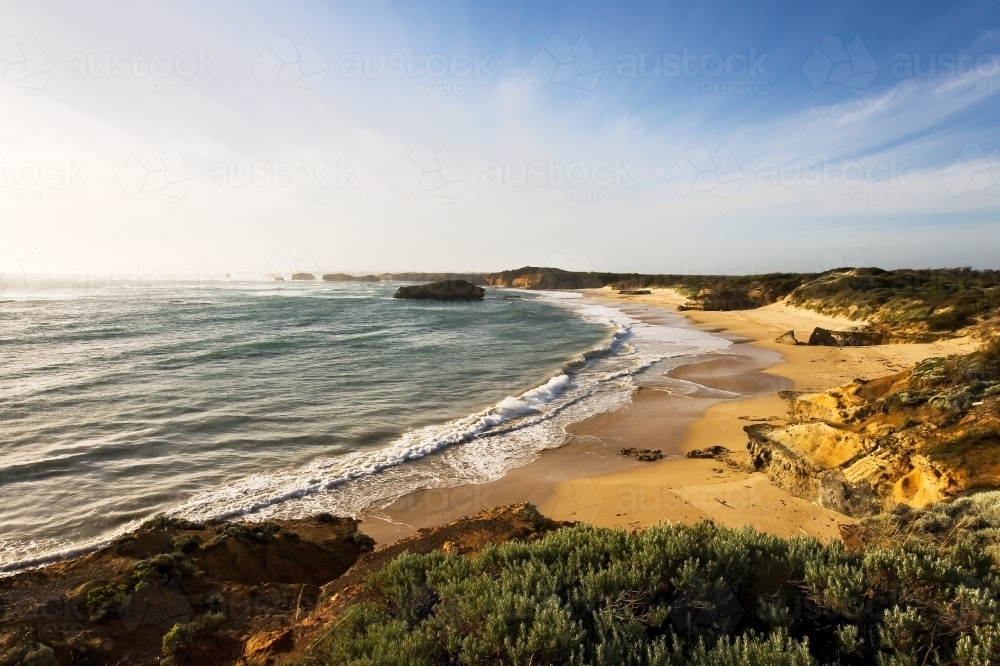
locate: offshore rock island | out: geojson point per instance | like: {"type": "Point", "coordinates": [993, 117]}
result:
{"type": "Point", "coordinates": [442, 290]}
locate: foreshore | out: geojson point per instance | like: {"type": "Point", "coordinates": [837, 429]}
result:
{"type": "Point", "coordinates": [589, 480]}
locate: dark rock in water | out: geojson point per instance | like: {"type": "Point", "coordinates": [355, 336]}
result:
{"type": "Point", "coordinates": [710, 452]}
{"type": "Point", "coordinates": [344, 277]}
{"type": "Point", "coordinates": [279, 279]}
{"type": "Point", "coordinates": [303, 276]}
{"type": "Point", "coordinates": [646, 455]}
{"type": "Point", "coordinates": [443, 290]}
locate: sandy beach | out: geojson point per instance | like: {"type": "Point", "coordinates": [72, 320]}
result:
{"type": "Point", "coordinates": [588, 479]}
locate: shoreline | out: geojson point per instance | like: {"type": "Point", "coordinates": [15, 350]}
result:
{"type": "Point", "coordinates": [586, 479]}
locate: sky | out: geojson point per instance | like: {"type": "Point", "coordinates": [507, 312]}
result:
{"type": "Point", "coordinates": [250, 138]}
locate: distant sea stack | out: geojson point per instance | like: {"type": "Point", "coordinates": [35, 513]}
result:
{"type": "Point", "coordinates": [344, 277]}
{"type": "Point", "coordinates": [303, 276]}
{"type": "Point", "coordinates": [443, 290]}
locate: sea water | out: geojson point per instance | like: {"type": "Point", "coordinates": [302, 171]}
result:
{"type": "Point", "coordinates": [221, 399]}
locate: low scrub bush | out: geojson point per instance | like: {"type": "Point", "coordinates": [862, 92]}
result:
{"type": "Point", "coordinates": [105, 599]}
{"type": "Point", "coordinates": [257, 533]}
{"type": "Point", "coordinates": [183, 636]}
{"type": "Point", "coordinates": [679, 594]}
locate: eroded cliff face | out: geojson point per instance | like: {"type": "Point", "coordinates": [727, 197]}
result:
{"type": "Point", "coordinates": [178, 593]}
{"type": "Point", "coordinates": [175, 592]}
{"type": "Point", "coordinates": [918, 437]}
{"type": "Point", "coordinates": [548, 278]}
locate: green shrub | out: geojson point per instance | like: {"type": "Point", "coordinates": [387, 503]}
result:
{"type": "Point", "coordinates": [684, 594]}
{"type": "Point", "coordinates": [28, 654]}
{"type": "Point", "coordinates": [161, 568]}
{"type": "Point", "coordinates": [259, 533]}
{"type": "Point", "coordinates": [184, 635]}
{"type": "Point", "coordinates": [105, 599]}
{"type": "Point", "coordinates": [186, 544]}
{"type": "Point", "coordinates": [163, 521]}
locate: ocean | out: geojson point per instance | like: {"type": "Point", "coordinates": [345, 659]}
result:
{"type": "Point", "coordinates": [222, 399]}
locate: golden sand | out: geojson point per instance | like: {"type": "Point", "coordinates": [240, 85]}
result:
{"type": "Point", "coordinates": [588, 480]}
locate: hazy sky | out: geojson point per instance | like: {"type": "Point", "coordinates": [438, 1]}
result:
{"type": "Point", "coordinates": [204, 137]}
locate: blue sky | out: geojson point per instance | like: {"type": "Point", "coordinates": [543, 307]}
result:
{"type": "Point", "coordinates": [259, 138]}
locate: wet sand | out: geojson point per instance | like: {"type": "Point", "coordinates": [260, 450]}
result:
{"type": "Point", "coordinates": [588, 479]}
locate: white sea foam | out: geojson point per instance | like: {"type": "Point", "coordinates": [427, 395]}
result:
{"type": "Point", "coordinates": [475, 449]}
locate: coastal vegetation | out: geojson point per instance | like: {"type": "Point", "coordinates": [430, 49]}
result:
{"type": "Point", "coordinates": [173, 592]}
{"type": "Point", "coordinates": [910, 586]}
{"type": "Point", "coordinates": [913, 456]}
{"type": "Point", "coordinates": [906, 300]}
{"type": "Point", "coordinates": [923, 591]}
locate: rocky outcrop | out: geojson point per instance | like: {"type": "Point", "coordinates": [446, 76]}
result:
{"type": "Point", "coordinates": [344, 277]}
{"type": "Point", "coordinates": [183, 593]}
{"type": "Point", "coordinates": [443, 290]}
{"type": "Point", "coordinates": [722, 455]}
{"type": "Point", "coordinates": [645, 455]}
{"type": "Point", "coordinates": [787, 338]}
{"type": "Point", "coordinates": [180, 592]}
{"type": "Point", "coordinates": [794, 471]}
{"type": "Point", "coordinates": [531, 277]}
{"type": "Point", "coordinates": [303, 276]}
{"type": "Point", "coordinates": [474, 278]}
{"type": "Point", "coordinates": [913, 438]}
{"type": "Point", "coordinates": [827, 338]}
{"type": "Point", "coordinates": [868, 336]}
{"type": "Point", "coordinates": [711, 452]}
{"type": "Point", "coordinates": [727, 298]}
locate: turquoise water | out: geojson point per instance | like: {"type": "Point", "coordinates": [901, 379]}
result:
{"type": "Point", "coordinates": [259, 399]}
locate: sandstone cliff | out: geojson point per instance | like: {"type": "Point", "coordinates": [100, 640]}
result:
{"type": "Point", "coordinates": [914, 438]}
